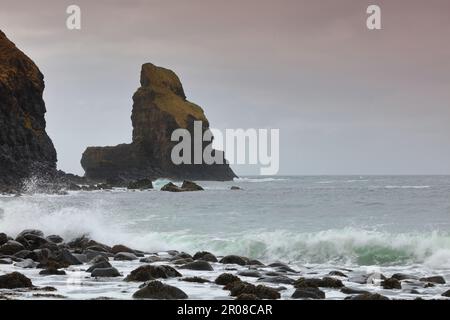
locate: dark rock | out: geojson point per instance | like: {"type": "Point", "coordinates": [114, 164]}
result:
{"type": "Point", "coordinates": [105, 272]}
{"type": "Point", "coordinates": [121, 248]}
{"type": "Point", "coordinates": [226, 278]}
{"type": "Point", "coordinates": [195, 279]}
{"type": "Point", "coordinates": [338, 274]}
{"type": "Point", "coordinates": [434, 279]}
{"type": "Point", "coordinates": [367, 278]}
{"type": "Point", "coordinates": [191, 186]}
{"type": "Point", "coordinates": [235, 188]}
{"type": "Point", "coordinates": [347, 290]}
{"type": "Point", "coordinates": [11, 247]}
{"type": "Point", "coordinates": [326, 282]}
{"type": "Point", "coordinates": [181, 255]}
{"type": "Point", "coordinates": [25, 148]}
{"type": "Point", "coordinates": [253, 262]}
{"type": "Point", "coordinates": [32, 241]}
{"type": "Point", "coordinates": [150, 259]}
{"type": "Point", "coordinates": [149, 272]}
{"type": "Point", "coordinates": [402, 276]}
{"type": "Point", "coordinates": [171, 187]}
{"type": "Point", "coordinates": [232, 259]}
{"type": "Point", "coordinates": [90, 254]}
{"type": "Point", "coordinates": [6, 261]}
{"type": "Point", "coordinates": [160, 291]}
{"type": "Point", "coordinates": [205, 256]}
{"type": "Point", "coordinates": [125, 256]}
{"type": "Point", "coordinates": [368, 296]}
{"type": "Point", "coordinates": [26, 254]}
{"type": "Point", "coordinates": [246, 296]}
{"type": "Point", "coordinates": [26, 264]}
{"type": "Point", "coordinates": [264, 292]}
{"type": "Point", "coordinates": [67, 257]}
{"type": "Point", "coordinates": [159, 108]}
{"type": "Point", "coordinates": [14, 280]}
{"type": "Point", "coordinates": [98, 259]}
{"type": "Point", "coordinates": [99, 265]}
{"type": "Point", "coordinates": [3, 238]}
{"type": "Point", "coordinates": [199, 265]}
{"type": "Point", "coordinates": [308, 293]}
{"type": "Point", "coordinates": [34, 232]}
{"type": "Point", "coordinates": [237, 288]}
{"type": "Point", "coordinates": [391, 283]}
{"type": "Point", "coordinates": [142, 184]}
{"type": "Point", "coordinates": [99, 248]}
{"type": "Point", "coordinates": [250, 273]}
{"type": "Point", "coordinates": [446, 294]}
{"type": "Point", "coordinates": [277, 279]}
{"type": "Point", "coordinates": [81, 257]}
{"type": "Point", "coordinates": [51, 272]}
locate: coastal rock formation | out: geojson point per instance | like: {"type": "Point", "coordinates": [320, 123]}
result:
{"type": "Point", "coordinates": [160, 107]}
{"type": "Point", "coordinates": [25, 148]}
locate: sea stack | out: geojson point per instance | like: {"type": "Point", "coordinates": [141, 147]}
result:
{"type": "Point", "coordinates": [160, 106]}
{"type": "Point", "coordinates": [25, 148]}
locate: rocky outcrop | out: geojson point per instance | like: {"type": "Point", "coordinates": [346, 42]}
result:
{"type": "Point", "coordinates": [160, 107]}
{"type": "Point", "coordinates": [25, 148]}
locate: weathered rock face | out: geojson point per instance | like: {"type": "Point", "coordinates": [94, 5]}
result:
{"type": "Point", "coordinates": [160, 107]}
{"type": "Point", "coordinates": [25, 147]}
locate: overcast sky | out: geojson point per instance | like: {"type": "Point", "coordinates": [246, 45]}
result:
{"type": "Point", "coordinates": [346, 100]}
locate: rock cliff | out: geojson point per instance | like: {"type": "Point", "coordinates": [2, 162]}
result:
{"type": "Point", "coordinates": [25, 148]}
{"type": "Point", "coordinates": [159, 107]}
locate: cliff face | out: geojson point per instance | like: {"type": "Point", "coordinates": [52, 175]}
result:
{"type": "Point", "coordinates": [25, 147]}
{"type": "Point", "coordinates": [159, 107]}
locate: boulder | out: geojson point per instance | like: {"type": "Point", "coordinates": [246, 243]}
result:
{"type": "Point", "coordinates": [226, 278]}
{"type": "Point", "coordinates": [235, 188]}
{"type": "Point", "coordinates": [250, 273]}
{"type": "Point", "coordinates": [14, 280]}
{"type": "Point", "coordinates": [347, 290]}
{"type": "Point", "coordinates": [338, 274]}
{"type": "Point", "coordinates": [434, 279]}
{"type": "Point", "coordinates": [99, 265]}
{"type": "Point", "coordinates": [171, 187]}
{"type": "Point", "coordinates": [195, 279]}
{"type": "Point", "coordinates": [191, 186]}
{"type": "Point", "coordinates": [198, 265]}
{"type": "Point", "coordinates": [150, 272]}
{"type": "Point", "coordinates": [141, 184]}
{"type": "Point", "coordinates": [446, 294]}
{"type": "Point", "coordinates": [150, 259]}
{"type": "Point", "coordinates": [26, 264]}
{"type": "Point", "coordinates": [6, 261]}
{"type": "Point", "coordinates": [264, 292]}
{"type": "Point", "coordinates": [402, 276]}
{"type": "Point", "coordinates": [233, 259]}
{"type": "Point", "coordinates": [125, 256]}
{"type": "Point", "coordinates": [391, 283]}
{"type": "Point", "coordinates": [308, 293]}
{"type": "Point", "coordinates": [52, 272]}
{"type": "Point", "coordinates": [105, 272]}
{"type": "Point", "coordinates": [160, 291]}
{"type": "Point", "coordinates": [247, 296]}
{"type": "Point", "coordinates": [326, 282]}
{"type": "Point", "coordinates": [368, 296]}
{"type": "Point", "coordinates": [68, 258]}
{"type": "Point", "coordinates": [34, 232]}
{"type": "Point", "coordinates": [277, 279]}
{"type": "Point", "coordinates": [205, 256]}
{"type": "Point", "coordinates": [11, 247]}
{"type": "Point", "coordinates": [3, 238]}
{"type": "Point", "coordinates": [121, 248]}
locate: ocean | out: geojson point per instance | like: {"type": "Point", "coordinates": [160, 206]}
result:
{"type": "Point", "coordinates": [315, 224]}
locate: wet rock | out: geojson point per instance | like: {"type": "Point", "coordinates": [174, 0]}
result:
{"type": "Point", "coordinates": [94, 254]}
{"type": "Point", "coordinates": [237, 288]}
{"type": "Point", "coordinates": [368, 296]}
{"type": "Point", "coordinates": [99, 265]}
{"type": "Point", "coordinates": [338, 274]}
{"type": "Point", "coordinates": [51, 272]}
{"type": "Point", "coordinates": [34, 232]}
{"type": "Point", "coordinates": [226, 278]}
{"type": "Point", "coordinates": [264, 292]}
{"type": "Point", "coordinates": [121, 248]}
{"type": "Point", "coordinates": [150, 272]}
{"type": "Point", "coordinates": [170, 187]}
{"type": "Point", "coordinates": [150, 259]}
{"type": "Point", "coordinates": [247, 296]}
{"type": "Point", "coordinates": [98, 259]}
{"type": "Point", "coordinates": [158, 290]}
{"type": "Point", "coordinates": [3, 238]}
{"type": "Point", "coordinates": [26, 264]}
{"type": "Point", "coordinates": [182, 261]}
{"type": "Point", "coordinates": [181, 255]}
{"type": "Point", "coordinates": [277, 279]}
{"type": "Point", "coordinates": [250, 273]}
{"type": "Point", "coordinates": [81, 257]}
{"type": "Point", "coordinates": [347, 290]}
{"type": "Point", "coordinates": [308, 293]}
{"type": "Point", "coordinates": [233, 259]}
{"type": "Point", "coordinates": [25, 254]}
{"type": "Point", "coordinates": [191, 186]}
{"type": "Point", "coordinates": [205, 256]}
{"type": "Point", "coordinates": [6, 261]}
{"type": "Point", "coordinates": [253, 262]}
{"type": "Point", "coordinates": [434, 279]}
{"type": "Point", "coordinates": [67, 257]}
{"type": "Point", "coordinates": [391, 283]}
{"type": "Point", "coordinates": [195, 279]}
{"type": "Point", "coordinates": [141, 184]}
{"type": "Point", "coordinates": [326, 282]}
{"type": "Point", "coordinates": [198, 265]}
{"type": "Point", "coordinates": [105, 272]}
{"type": "Point", "coordinates": [402, 276]}
{"type": "Point", "coordinates": [125, 256]}
{"type": "Point", "coordinates": [367, 278]}
{"type": "Point", "coordinates": [14, 280]}
{"type": "Point", "coordinates": [235, 188]}
{"type": "Point", "coordinates": [446, 294]}
{"type": "Point", "coordinates": [11, 247]}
